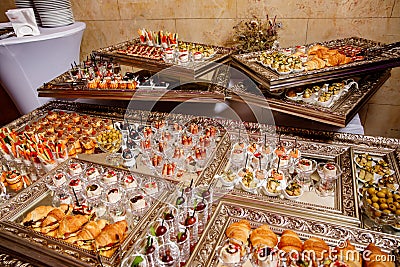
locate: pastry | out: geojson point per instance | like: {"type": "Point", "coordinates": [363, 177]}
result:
{"type": "Point", "coordinates": [35, 217]}
{"type": "Point", "coordinates": [349, 255]}
{"type": "Point", "coordinates": [290, 241]}
{"type": "Point", "coordinates": [377, 258]}
{"type": "Point", "coordinates": [230, 253]}
{"type": "Point", "coordinates": [137, 202]}
{"type": "Point", "coordinates": [239, 232]}
{"type": "Point", "coordinates": [263, 236]}
{"type": "Point", "coordinates": [111, 237]}
{"type": "Point", "coordinates": [317, 245]}
{"type": "Point", "coordinates": [89, 232]}
{"type": "Point", "coordinates": [71, 225]}
{"type": "Point", "coordinates": [53, 219]}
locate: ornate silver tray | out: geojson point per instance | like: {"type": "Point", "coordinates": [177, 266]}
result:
{"type": "Point", "coordinates": [15, 209]}
{"type": "Point", "coordinates": [190, 70]}
{"type": "Point", "coordinates": [343, 206]}
{"type": "Point", "coordinates": [229, 211]}
{"type": "Point", "coordinates": [377, 56]}
{"type": "Point", "coordinates": [338, 114]}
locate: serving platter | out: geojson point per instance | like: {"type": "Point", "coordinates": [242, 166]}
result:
{"type": "Point", "coordinates": [376, 56]}
{"type": "Point", "coordinates": [340, 147]}
{"type": "Point", "coordinates": [191, 70]}
{"type": "Point", "coordinates": [204, 90]}
{"type": "Point", "coordinates": [229, 211]}
{"type": "Point", "coordinates": [31, 242]}
{"type": "Point", "coordinates": [339, 113]}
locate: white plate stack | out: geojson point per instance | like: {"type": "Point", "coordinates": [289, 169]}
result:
{"type": "Point", "coordinates": [54, 13]}
{"type": "Point", "coordinates": [29, 4]}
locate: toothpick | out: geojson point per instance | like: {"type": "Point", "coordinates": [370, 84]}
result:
{"type": "Point", "coordinates": [76, 197]}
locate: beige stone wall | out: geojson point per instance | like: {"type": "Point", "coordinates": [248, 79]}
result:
{"type": "Point", "coordinates": [112, 21]}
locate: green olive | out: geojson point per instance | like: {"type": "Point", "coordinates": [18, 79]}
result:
{"type": "Point", "coordinates": [389, 200]}
{"type": "Point", "coordinates": [375, 205]}
{"type": "Point", "coordinates": [392, 207]}
{"type": "Point", "coordinates": [375, 199]}
{"type": "Point", "coordinates": [381, 194]}
{"type": "Point", "coordinates": [389, 195]}
{"type": "Point", "coordinates": [383, 206]}
{"type": "Point", "coordinates": [382, 200]}
{"type": "Point", "coordinates": [398, 212]}
{"type": "Point", "coordinates": [369, 201]}
{"type": "Point", "coordinates": [377, 214]}
{"type": "Point", "coordinates": [397, 205]}
{"type": "Point", "coordinates": [371, 191]}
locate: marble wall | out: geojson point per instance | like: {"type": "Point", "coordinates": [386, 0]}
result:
{"type": "Point", "coordinates": [112, 21]}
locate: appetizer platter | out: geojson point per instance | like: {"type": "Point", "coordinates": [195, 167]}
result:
{"type": "Point", "coordinates": [102, 79]}
{"type": "Point", "coordinates": [297, 205]}
{"type": "Point", "coordinates": [318, 101]}
{"type": "Point", "coordinates": [324, 61]}
{"type": "Point", "coordinates": [82, 216]}
{"type": "Point", "coordinates": [183, 59]}
{"type": "Point", "coordinates": [244, 235]}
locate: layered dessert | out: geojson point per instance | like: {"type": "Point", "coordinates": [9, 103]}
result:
{"type": "Point", "coordinates": [137, 202]}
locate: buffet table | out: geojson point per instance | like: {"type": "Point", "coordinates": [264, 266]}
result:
{"type": "Point", "coordinates": [332, 214]}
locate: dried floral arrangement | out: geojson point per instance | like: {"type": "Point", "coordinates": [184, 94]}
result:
{"type": "Point", "coordinates": [255, 35]}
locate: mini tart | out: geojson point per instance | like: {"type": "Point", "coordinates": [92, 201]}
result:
{"type": "Point", "coordinates": [114, 195]}
{"type": "Point", "coordinates": [137, 202]}
{"type": "Point", "coordinates": [305, 165]}
{"type": "Point", "coordinates": [76, 184]}
{"type": "Point", "coordinates": [151, 188]}
{"type": "Point", "coordinates": [93, 190]}
{"type": "Point", "coordinates": [92, 172]}
{"type": "Point", "coordinates": [130, 182]}
{"type": "Point", "coordinates": [59, 179]}
{"type": "Point", "coordinates": [110, 176]}
{"type": "Point", "coordinates": [75, 168]}
{"type": "Point", "coordinates": [329, 170]}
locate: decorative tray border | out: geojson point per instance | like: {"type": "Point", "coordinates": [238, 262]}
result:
{"type": "Point", "coordinates": [377, 58]}
{"type": "Point", "coordinates": [229, 211]}
{"type": "Point", "coordinates": [193, 70]}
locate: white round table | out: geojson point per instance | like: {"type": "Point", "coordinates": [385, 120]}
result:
{"type": "Point", "coordinates": [28, 62]}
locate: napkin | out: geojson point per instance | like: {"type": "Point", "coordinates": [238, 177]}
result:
{"type": "Point", "coordinates": [23, 21]}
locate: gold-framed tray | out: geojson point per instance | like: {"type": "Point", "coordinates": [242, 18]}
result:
{"type": "Point", "coordinates": [168, 89]}
{"type": "Point", "coordinates": [24, 216]}
{"type": "Point", "coordinates": [337, 111]}
{"type": "Point", "coordinates": [332, 234]}
{"type": "Point", "coordinates": [373, 55]}
{"type": "Point", "coordinates": [191, 69]}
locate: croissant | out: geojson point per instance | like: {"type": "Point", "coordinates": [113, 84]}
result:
{"type": "Point", "coordinates": [290, 241]}
{"type": "Point", "coordinates": [263, 236]}
{"type": "Point", "coordinates": [70, 225]}
{"type": "Point", "coordinates": [239, 231]}
{"type": "Point", "coordinates": [53, 219]}
{"type": "Point", "coordinates": [349, 255]}
{"type": "Point", "coordinates": [36, 216]}
{"type": "Point", "coordinates": [377, 258]}
{"type": "Point", "coordinates": [87, 235]}
{"type": "Point", "coordinates": [110, 238]}
{"type": "Point", "coordinates": [317, 245]}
